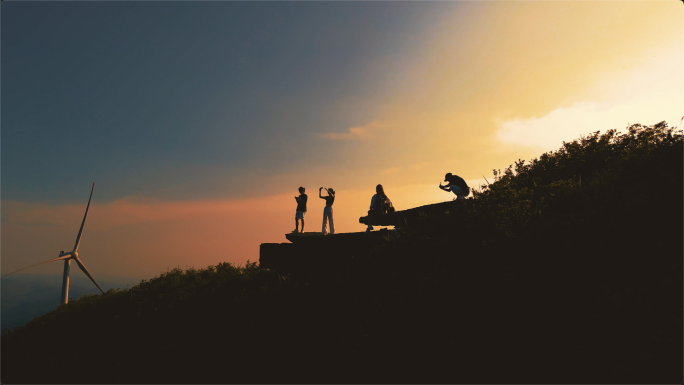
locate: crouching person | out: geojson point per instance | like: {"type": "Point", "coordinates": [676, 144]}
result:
{"type": "Point", "coordinates": [456, 185]}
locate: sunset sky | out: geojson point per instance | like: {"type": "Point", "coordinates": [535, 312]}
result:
{"type": "Point", "coordinates": [198, 121]}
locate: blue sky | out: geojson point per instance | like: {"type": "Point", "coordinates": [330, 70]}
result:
{"type": "Point", "coordinates": [154, 97]}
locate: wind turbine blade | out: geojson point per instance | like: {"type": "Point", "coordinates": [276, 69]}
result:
{"type": "Point", "coordinates": [82, 266]}
{"type": "Point", "coordinates": [78, 239]}
{"type": "Point", "coordinates": [52, 260]}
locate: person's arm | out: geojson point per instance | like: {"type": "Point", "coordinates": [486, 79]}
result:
{"type": "Point", "coordinates": [445, 188]}
{"type": "Point", "coordinates": [372, 202]}
{"type": "Point", "coordinates": [320, 192]}
{"type": "Point", "coordinates": [297, 199]}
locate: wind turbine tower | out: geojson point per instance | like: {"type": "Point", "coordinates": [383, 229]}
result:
{"type": "Point", "coordinates": [68, 257]}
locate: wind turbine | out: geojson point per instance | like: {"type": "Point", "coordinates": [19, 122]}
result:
{"type": "Point", "coordinates": [67, 257]}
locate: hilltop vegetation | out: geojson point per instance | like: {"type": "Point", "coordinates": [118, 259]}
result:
{"type": "Point", "coordinates": [566, 269]}
{"type": "Point", "coordinates": [26, 296]}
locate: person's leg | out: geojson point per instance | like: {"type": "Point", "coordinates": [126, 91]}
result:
{"type": "Point", "coordinates": [325, 217]}
{"type": "Point", "coordinates": [332, 224]}
{"type": "Point", "coordinates": [370, 222]}
{"type": "Point", "coordinates": [460, 194]}
{"type": "Point", "coordinates": [296, 225]}
{"type": "Point", "coordinates": [303, 214]}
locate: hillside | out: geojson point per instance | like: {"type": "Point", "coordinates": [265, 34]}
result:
{"type": "Point", "coordinates": [26, 296]}
{"type": "Point", "coordinates": [566, 269]}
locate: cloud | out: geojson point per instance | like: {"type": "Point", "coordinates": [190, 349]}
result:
{"type": "Point", "coordinates": [419, 166]}
{"type": "Point", "coordinates": [358, 133]}
{"type": "Point", "coordinates": [140, 237]}
{"type": "Point", "coordinates": [549, 131]}
{"type": "Point", "coordinates": [569, 123]}
{"type": "Point", "coordinates": [391, 170]}
{"type": "Point", "coordinates": [645, 95]}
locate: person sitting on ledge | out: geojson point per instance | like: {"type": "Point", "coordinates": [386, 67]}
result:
{"type": "Point", "coordinates": [301, 210]}
{"type": "Point", "coordinates": [328, 210]}
{"type": "Point", "coordinates": [456, 185]}
{"type": "Point", "coordinates": [380, 205]}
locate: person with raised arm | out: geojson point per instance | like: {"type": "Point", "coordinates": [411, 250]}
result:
{"type": "Point", "coordinates": [328, 210]}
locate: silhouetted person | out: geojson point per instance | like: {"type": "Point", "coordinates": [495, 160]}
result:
{"type": "Point", "coordinates": [380, 205]}
{"type": "Point", "coordinates": [328, 210]}
{"type": "Point", "coordinates": [456, 185]}
{"type": "Point", "coordinates": [301, 209]}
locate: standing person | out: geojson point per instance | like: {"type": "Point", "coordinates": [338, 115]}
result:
{"type": "Point", "coordinates": [328, 210]}
{"type": "Point", "coordinates": [456, 185]}
{"type": "Point", "coordinates": [380, 205]}
{"type": "Point", "coordinates": [301, 210]}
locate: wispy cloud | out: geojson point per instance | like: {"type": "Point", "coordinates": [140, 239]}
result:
{"type": "Point", "coordinates": [391, 170]}
{"type": "Point", "coordinates": [413, 167]}
{"type": "Point", "coordinates": [419, 166]}
{"type": "Point", "coordinates": [645, 95]}
{"type": "Point", "coordinates": [367, 131]}
{"type": "Point", "coordinates": [569, 123]}
{"type": "Point", "coordinates": [140, 237]}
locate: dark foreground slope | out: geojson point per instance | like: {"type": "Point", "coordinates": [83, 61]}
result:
{"type": "Point", "coordinates": [565, 270]}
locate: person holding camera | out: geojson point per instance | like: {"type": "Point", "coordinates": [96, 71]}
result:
{"type": "Point", "coordinates": [301, 210]}
{"type": "Point", "coordinates": [328, 210]}
{"type": "Point", "coordinates": [456, 185]}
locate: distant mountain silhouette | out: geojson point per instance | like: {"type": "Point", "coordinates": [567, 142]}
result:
{"type": "Point", "coordinates": [26, 296]}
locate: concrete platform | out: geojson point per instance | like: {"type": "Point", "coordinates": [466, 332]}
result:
{"type": "Point", "coordinates": [405, 218]}
{"type": "Point", "coordinates": [358, 237]}
{"type": "Point", "coordinates": [315, 250]}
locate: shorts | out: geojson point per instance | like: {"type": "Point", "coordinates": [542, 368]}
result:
{"type": "Point", "coordinates": [300, 214]}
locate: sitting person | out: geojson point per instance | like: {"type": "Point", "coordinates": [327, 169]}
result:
{"type": "Point", "coordinates": [380, 205]}
{"type": "Point", "coordinates": [328, 210]}
{"type": "Point", "coordinates": [456, 185]}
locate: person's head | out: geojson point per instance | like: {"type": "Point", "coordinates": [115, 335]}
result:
{"type": "Point", "coordinates": [301, 190]}
{"type": "Point", "coordinates": [447, 177]}
{"type": "Point", "coordinates": [380, 190]}
{"type": "Point", "coordinates": [331, 191]}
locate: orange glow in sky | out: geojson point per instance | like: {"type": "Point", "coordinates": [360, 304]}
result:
{"type": "Point", "coordinates": [485, 85]}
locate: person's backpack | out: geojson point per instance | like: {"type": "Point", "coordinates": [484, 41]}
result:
{"type": "Point", "coordinates": [390, 207]}
{"type": "Point", "coordinates": [383, 206]}
{"type": "Point", "coordinates": [387, 205]}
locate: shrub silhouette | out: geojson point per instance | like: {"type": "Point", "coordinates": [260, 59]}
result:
{"type": "Point", "coordinates": [567, 268]}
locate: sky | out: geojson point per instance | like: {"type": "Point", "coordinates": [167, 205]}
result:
{"type": "Point", "coordinates": [198, 121]}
